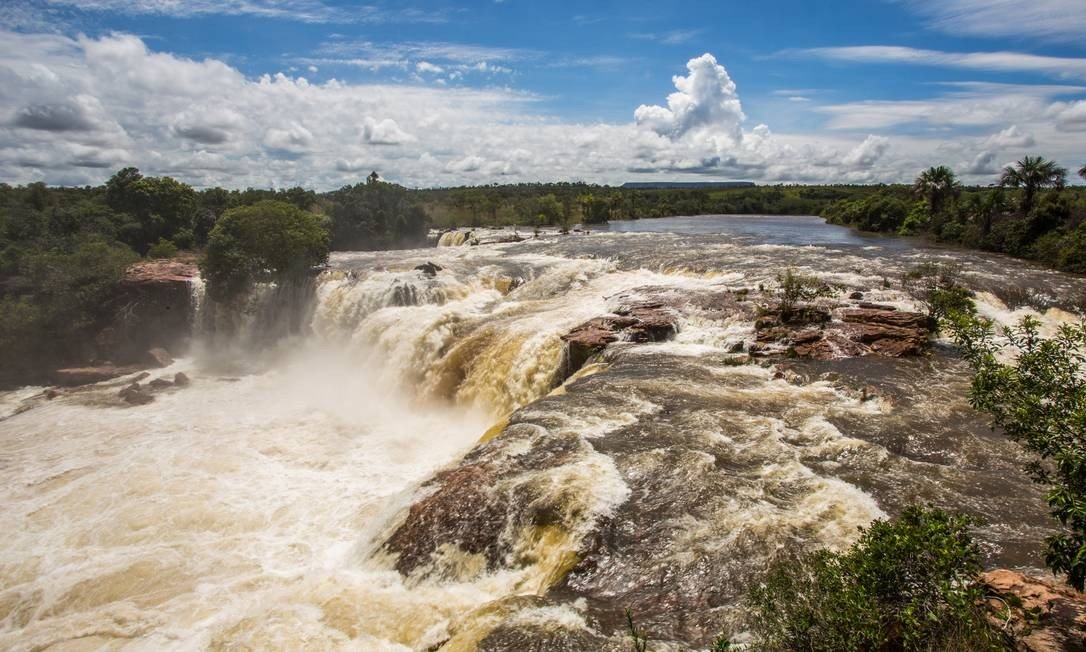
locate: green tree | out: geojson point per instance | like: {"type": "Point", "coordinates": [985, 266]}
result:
{"type": "Point", "coordinates": [937, 185]}
{"type": "Point", "coordinates": [267, 241]}
{"type": "Point", "coordinates": [910, 583]}
{"type": "Point", "coordinates": [1031, 174]}
{"type": "Point", "coordinates": [375, 215]}
{"type": "Point", "coordinates": [1038, 398]}
{"type": "Point", "coordinates": [1082, 172]}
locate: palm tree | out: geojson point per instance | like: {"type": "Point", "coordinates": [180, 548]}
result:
{"type": "Point", "coordinates": [1031, 174]}
{"type": "Point", "coordinates": [936, 184]}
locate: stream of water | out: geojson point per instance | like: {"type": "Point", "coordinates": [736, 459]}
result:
{"type": "Point", "coordinates": [386, 460]}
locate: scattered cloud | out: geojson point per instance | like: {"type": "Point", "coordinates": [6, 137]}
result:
{"type": "Point", "coordinates": [1062, 67]}
{"type": "Point", "coordinates": [1058, 20]}
{"type": "Point", "coordinates": [75, 109]}
{"type": "Point", "coordinates": [308, 11]}
{"type": "Point", "coordinates": [670, 37]}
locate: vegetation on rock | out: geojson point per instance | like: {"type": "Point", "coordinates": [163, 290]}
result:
{"type": "Point", "coordinates": [267, 241]}
{"type": "Point", "coordinates": [1038, 397]}
{"type": "Point", "coordinates": [909, 583]}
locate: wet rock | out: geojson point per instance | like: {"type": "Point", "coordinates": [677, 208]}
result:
{"type": "Point", "coordinates": [159, 383]}
{"type": "Point", "coordinates": [460, 512]}
{"type": "Point", "coordinates": [1041, 616]}
{"type": "Point", "coordinates": [429, 269]}
{"type": "Point", "coordinates": [640, 323]}
{"type": "Point", "coordinates": [875, 306]}
{"type": "Point", "coordinates": [135, 394]}
{"type": "Point", "coordinates": [856, 296]}
{"type": "Point", "coordinates": [181, 380]}
{"type": "Point", "coordinates": [76, 376]}
{"type": "Point", "coordinates": [860, 331]}
{"type": "Point", "coordinates": [51, 394]}
{"type": "Point", "coordinates": [159, 357]}
{"type": "Point", "coordinates": [153, 308]}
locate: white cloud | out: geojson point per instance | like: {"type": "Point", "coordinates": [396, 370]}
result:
{"type": "Point", "coordinates": [385, 132]}
{"type": "Point", "coordinates": [1063, 67]}
{"type": "Point", "coordinates": [75, 110]}
{"type": "Point", "coordinates": [1069, 116]}
{"type": "Point", "coordinates": [1012, 136]}
{"type": "Point", "coordinates": [704, 99]}
{"type": "Point", "coordinates": [1062, 20]}
{"type": "Point", "coordinates": [309, 11]}
{"type": "Point", "coordinates": [867, 153]}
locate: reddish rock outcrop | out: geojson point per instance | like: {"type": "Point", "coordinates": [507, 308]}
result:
{"type": "Point", "coordinates": [1040, 616]}
{"type": "Point", "coordinates": [881, 331]}
{"type": "Point", "coordinates": [153, 310]}
{"type": "Point", "coordinates": [640, 323]}
{"type": "Point", "coordinates": [75, 376]}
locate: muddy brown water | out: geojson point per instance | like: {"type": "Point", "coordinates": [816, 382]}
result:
{"type": "Point", "coordinates": [384, 460]}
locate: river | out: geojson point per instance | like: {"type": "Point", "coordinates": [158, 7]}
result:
{"type": "Point", "coordinates": [385, 460]}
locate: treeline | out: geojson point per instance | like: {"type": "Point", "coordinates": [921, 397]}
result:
{"type": "Point", "coordinates": [566, 204]}
{"type": "Point", "coordinates": [62, 250]}
{"type": "Point", "coordinates": [1031, 213]}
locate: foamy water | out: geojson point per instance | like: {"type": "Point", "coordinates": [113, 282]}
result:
{"type": "Point", "coordinates": [252, 510]}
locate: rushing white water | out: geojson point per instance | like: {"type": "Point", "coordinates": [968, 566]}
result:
{"type": "Point", "coordinates": [251, 510]}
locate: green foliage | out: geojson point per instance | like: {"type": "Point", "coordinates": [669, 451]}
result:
{"type": "Point", "coordinates": [638, 638]}
{"type": "Point", "coordinates": [935, 286]}
{"type": "Point", "coordinates": [916, 220]}
{"type": "Point", "coordinates": [1039, 400]}
{"type": "Point", "coordinates": [794, 288]}
{"type": "Point", "coordinates": [1031, 174]}
{"type": "Point", "coordinates": [267, 241]}
{"type": "Point", "coordinates": [937, 185]}
{"type": "Point", "coordinates": [882, 211]}
{"type": "Point", "coordinates": [375, 215]}
{"type": "Point", "coordinates": [907, 584]}
{"type": "Point", "coordinates": [162, 249]}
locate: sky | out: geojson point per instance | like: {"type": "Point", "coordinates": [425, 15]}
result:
{"type": "Point", "coordinates": [318, 93]}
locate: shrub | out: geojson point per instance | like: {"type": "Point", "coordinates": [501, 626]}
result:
{"type": "Point", "coordinates": [910, 583]}
{"type": "Point", "coordinates": [935, 286]}
{"type": "Point", "coordinates": [267, 241]}
{"type": "Point", "coordinates": [1039, 400]}
{"type": "Point", "coordinates": [793, 288]}
{"type": "Point", "coordinates": [162, 249]}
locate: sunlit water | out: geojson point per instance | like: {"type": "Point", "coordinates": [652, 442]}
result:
{"type": "Point", "coordinates": [262, 506]}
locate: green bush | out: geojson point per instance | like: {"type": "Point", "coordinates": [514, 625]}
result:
{"type": "Point", "coordinates": [910, 583]}
{"type": "Point", "coordinates": [1039, 400]}
{"type": "Point", "coordinates": [793, 288]}
{"type": "Point", "coordinates": [935, 287]}
{"type": "Point", "coordinates": [267, 241]}
{"type": "Point", "coordinates": [162, 249]}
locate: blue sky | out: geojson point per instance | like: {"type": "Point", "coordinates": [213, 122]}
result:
{"type": "Point", "coordinates": [266, 92]}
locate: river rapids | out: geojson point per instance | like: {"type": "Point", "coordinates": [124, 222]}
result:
{"type": "Point", "coordinates": [386, 460]}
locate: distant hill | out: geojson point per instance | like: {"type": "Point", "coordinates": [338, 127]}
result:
{"type": "Point", "coordinates": [686, 185]}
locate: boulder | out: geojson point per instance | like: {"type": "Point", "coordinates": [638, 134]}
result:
{"type": "Point", "coordinates": [159, 357]}
{"type": "Point", "coordinates": [159, 383]}
{"type": "Point", "coordinates": [1040, 616]}
{"type": "Point", "coordinates": [76, 376]}
{"type": "Point", "coordinates": [135, 394]}
{"type": "Point", "coordinates": [181, 380]}
{"type": "Point", "coordinates": [860, 331]}
{"type": "Point", "coordinates": [640, 323]}
{"type": "Point", "coordinates": [429, 269]}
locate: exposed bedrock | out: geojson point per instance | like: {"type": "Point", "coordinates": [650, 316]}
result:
{"type": "Point", "coordinates": [1041, 615]}
{"type": "Point", "coordinates": [823, 332]}
{"type": "Point", "coordinates": [153, 309]}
